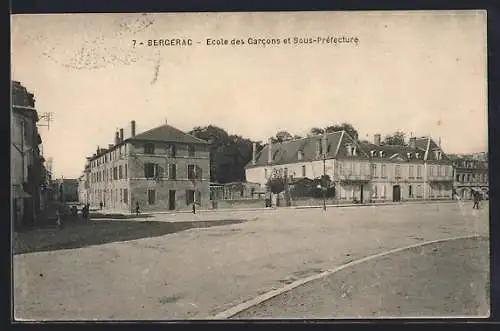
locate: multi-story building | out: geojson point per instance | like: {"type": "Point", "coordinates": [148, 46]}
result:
{"type": "Point", "coordinates": [67, 189]}
{"type": "Point", "coordinates": [83, 184]}
{"type": "Point", "coordinates": [27, 176]}
{"type": "Point", "coordinates": [470, 173]}
{"type": "Point", "coordinates": [361, 171]}
{"type": "Point", "coordinates": [160, 169]}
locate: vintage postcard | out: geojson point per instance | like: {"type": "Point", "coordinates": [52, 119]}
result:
{"type": "Point", "coordinates": [254, 165]}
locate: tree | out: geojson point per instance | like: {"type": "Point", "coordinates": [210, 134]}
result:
{"type": "Point", "coordinates": [276, 183]}
{"type": "Point", "coordinates": [349, 128]}
{"type": "Point", "coordinates": [281, 136]}
{"type": "Point", "coordinates": [229, 154]}
{"type": "Point", "coordinates": [343, 127]}
{"type": "Point", "coordinates": [396, 139]}
{"type": "Point", "coordinates": [316, 131]}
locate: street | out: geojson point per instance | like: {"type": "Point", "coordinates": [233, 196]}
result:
{"type": "Point", "coordinates": [199, 272]}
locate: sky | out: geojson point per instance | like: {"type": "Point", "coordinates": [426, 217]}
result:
{"type": "Point", "coordinates": [424, 73]}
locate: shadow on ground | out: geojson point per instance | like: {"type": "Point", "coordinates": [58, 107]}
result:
{"type": "Point", "coordinates": [118, 216]}
{"type": "Point", "coordinates": [98, 232]}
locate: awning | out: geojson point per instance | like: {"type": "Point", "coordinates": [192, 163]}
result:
{"type": "Point", "coordinates": [18, 192]}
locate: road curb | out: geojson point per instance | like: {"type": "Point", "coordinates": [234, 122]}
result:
{"type": "Point", "coordinates": [271, 294]}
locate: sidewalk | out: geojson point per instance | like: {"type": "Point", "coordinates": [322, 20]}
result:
{"type": "Point", "coordinates": [342, 205]}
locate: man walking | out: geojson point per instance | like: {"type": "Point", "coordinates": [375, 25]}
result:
{"type": "Point", "coordinates": [137, 208]}
{"type": "Point", "coordinates": [476, 199]}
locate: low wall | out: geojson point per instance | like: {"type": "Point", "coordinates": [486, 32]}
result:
{"type": "Point", "coordinates": [243, 203]}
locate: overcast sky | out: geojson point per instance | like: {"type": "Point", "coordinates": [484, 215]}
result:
{"type": "Point", "coordinates": [423, 72]}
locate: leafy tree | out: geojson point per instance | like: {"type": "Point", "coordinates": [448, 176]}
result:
{"type": "Point", "coordinates": [229, 154]}
{"type": "Point", "coordinates": [336, 127]}
{"type": "Point", "coordinates": [277, 183]}
{"type": "Point", "coordinates": [344, 127]}
{"type": "Point", "coordinates": [316, 131]}
{"type": "Point", "coordinates": [396, 139]}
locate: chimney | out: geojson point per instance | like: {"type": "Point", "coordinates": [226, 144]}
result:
{"type": "Point", "coordinates": [254, 152]}
{"type": "Point", "coordinates": [110, 146]}
{"type": "Point", "coordinates": [376, 139]}
{"type": "Point", "coordinates": [324, 144]}
{"type": "Point", "coordinates": [97, 150]}
{"type": "Point", "coordinates": [269, 151]}
{"type": "Point", "coordinates": [121, 134]}
{"type": "Point", "coordinates": [117, 138]}
{"type": "Point", "coordinates": [413, 142]}
{"type": "Point", "coordinates": [132, 129]}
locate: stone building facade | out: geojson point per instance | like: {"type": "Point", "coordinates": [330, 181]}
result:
{"type": "Point", "coordinates": [360, 170]}
{"type": "Point", "coordinates": [470, 173]}
{"type": "Point", "coordinates": [160, 169]}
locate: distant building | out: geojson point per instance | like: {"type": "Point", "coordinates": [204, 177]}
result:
{"type": "Point", "coordinates": [360, 170]}
{"type": "Point", "coordinates": [67, 189]}
{"type": "Point", "coordinates": [27, 171]}
{"type": "Point", "coordinates": [84, 184]}
{"type": "Point", "coordinates": [160, 169]}
{"type": "Point", "coordinates": [470, 173]}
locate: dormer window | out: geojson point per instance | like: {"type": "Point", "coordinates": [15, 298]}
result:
{"type": "Point", "coordinates": [354, 151]}
{"type": "Point", "coordinates": [372, 153]}
{"type": "Point", "coordinates": [417, 155]}
{"type": "Point", "coordinates": [300, 155]}
{"type": "Point", "coordinates": [381, 153]}
{"type": "Point", "coordinates": [408, 155]}
{"type": "Point", "coordinates": [349, 149]}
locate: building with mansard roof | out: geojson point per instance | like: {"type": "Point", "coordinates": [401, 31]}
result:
{"type": "Point", "coordinates": [470, 174]}
{"type": "Point", "coordinates": [360, 170]}
{"type": "Point", "coordinates": [160, 169]}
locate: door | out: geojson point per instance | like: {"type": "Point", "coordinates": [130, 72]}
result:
{"type": "Point", "coordinates": [171, 200]}
{"type": "Point", "coordinates": [396, 193]}
{"type": "Point", "coordinates": [361, 194]}
{"type": "Point", "coordinates": [410, 191]}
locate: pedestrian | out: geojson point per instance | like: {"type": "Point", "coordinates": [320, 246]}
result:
{"type": "Point", "coordinates": [475, 196]}
{"type": "Point", "coordinates": [101, 204]}
{"type": "Point", "coordinates": [137, 208]}
{"type": "Point", "coordinates": [59, 220]}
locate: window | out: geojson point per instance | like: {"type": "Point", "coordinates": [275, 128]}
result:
{"type": "Point", "coordinates": [149, 170]}
{"type": "Point", "coordinates": [410, 171]}
{"type": "Point", "coordinates": [120, 172]}
{"type": "Point", "coordinates": [126, 171]}
{"type": "Point", "coordinates": [149, 148]}
{"type": "Point", "coordinates": [398, 171]}
{"type": "Point", "coordinates": [410, 191]}
{"type": "Point", "coordinates": [172, 171]}
{"type": "Point", "coordinates": [383, 191]}
{"type": "Point", "coordinates": [374, 170]}
{"type": "Point", "coordinates": [115, 173]}
{"type": "Point", "coordinates": [458, 178]}
{"type": "Point", "coordinates": [189, 197]}
{"type": "Point", "coordinates": [125, 196]}
{"type": "Point", "coordinates": [375, 191]}
{"type": "Point", "coordinates": [265, 173]}
{"type": "Point", "coordinates": [191, 150]}
{"type": "Point", "coordinates": [443, 171]}
{"type": "Point", "coordinates": [171, 150]}
{"type": "Point", "coordinates": [303, 171]}
{"type": "Point", "coordinates": [121, 195]}
{"type": "Point", "coordinates": [191, 171]}
{"type": "Point", "coordinates": [151, 196]}
{"type": "Point", "coordinates": [419, 171]}
{"type": "Point", "coordinates": [383, 174]}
